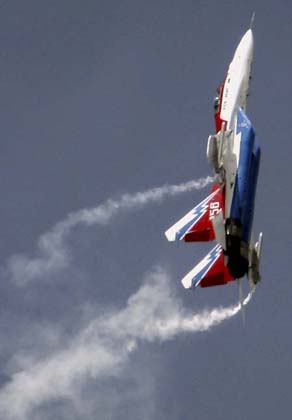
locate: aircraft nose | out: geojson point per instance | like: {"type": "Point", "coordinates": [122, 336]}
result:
{"type": "Point", "coordinates": [247, 41]}
{"type": "Point", "coordinates": [244, 50]}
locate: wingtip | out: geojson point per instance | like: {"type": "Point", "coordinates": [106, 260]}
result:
{"type": "Point", "coordinates": [170, 235]}
{"type": "Point", "coordinates": [187, 282]}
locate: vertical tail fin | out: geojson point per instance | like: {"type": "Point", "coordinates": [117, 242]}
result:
{"type": "Point", "coordinates": [210, 271]}
{"type": "Point", "coordinates": [197, 224]}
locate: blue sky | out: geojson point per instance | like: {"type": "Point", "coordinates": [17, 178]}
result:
{"type": "Point", "coordinates": [105, 98]}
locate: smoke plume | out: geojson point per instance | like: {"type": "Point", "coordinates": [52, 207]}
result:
{"type": "Point", "coordinates": [52, 254]}
{"type": "Point", "coordinates": [102, 349]}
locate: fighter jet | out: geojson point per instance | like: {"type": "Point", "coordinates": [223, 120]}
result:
{"type": "Point", "coordinates": [226, 215]}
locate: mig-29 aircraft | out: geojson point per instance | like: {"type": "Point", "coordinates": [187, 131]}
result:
{"type": "Point", "coordinates": [226, 215]}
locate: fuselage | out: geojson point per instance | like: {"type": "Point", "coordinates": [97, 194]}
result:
{"type": "Point", "coordinates": [226, 214]}
{"type": "Point", "coordinates": [241, 156]}
{"type": "Point", "coordinates": [242, 196]}
{"type": "Point", "coordinates": [234, 91]}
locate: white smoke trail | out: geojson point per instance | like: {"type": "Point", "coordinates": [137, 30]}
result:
{"type": "Point", "coordinates": [52, 254]}
{"type": "Point", "coordinates": [102, 349]}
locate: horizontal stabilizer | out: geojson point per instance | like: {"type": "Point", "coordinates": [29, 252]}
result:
{"type": "Point", "coordinates": [211, 271]}
{"type": "Point", "coordinates": [254, 275]}
{"type": "Point", "coordinates": [197, 225]}
{"type": "Point", "coordinates": [259, 246]}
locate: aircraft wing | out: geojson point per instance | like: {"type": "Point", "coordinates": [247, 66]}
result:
{"type": "Point", "coordinates": [197, 224]}
{"type": "Point", "coordinates": [210, 271]}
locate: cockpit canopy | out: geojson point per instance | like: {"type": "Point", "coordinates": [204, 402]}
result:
{"type": "Point", "coordinates": [216, 103]}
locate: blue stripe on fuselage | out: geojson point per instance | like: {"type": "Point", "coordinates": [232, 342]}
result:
{"type": "Point", "coordinates": [245, 185]}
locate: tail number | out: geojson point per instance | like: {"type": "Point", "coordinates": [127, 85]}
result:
{"type": "Point", "coordinates": [214, 209]}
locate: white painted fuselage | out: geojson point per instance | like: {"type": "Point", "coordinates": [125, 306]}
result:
{"type": "Point", "coordinates": [236, 85]}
